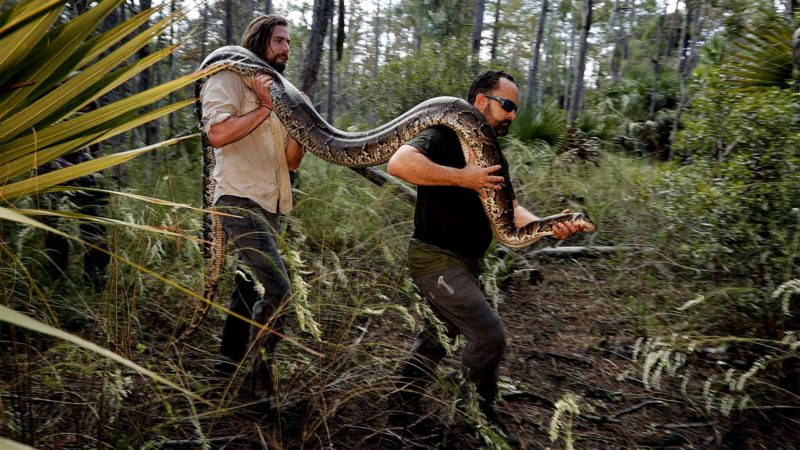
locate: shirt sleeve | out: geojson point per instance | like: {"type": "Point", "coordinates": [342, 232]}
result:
{"type": "Point", "coordinates": [221, 97]}
{"type": "Point", "coordinates": [428, 142]}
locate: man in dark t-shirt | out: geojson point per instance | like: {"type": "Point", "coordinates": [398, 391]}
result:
{"type": "Point", "coordinates": [451, 235]}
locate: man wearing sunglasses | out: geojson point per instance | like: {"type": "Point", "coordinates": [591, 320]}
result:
{"type": "Point", "coordinates": [451, 235]}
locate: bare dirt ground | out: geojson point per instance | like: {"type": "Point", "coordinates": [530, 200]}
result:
{"type": "Point", "coordinates": [565, 337]}
{"type": "Point", "coordinates": [570, 333]}
{"type": "Point", "coordinates": [573, 332]}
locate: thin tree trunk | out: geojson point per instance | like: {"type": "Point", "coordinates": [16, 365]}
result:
{"type": "Point", "coordinates": [692, 25]}
{"type": "Point", "coordinates": [204, 31]}
{"type": "Point", "coordinates": [171, 70]}
{"type": "Point", "coordinates": [146, 82]}
{"type": "Point", "coordinates": [617, 31]}
{"type": "Point", "coordinates": [614, 32]}
{"type": "Point", "coordinates": [268, 7]}
{"type": "Point", "coordinates": [683, 41]}
{"type": "Point", "coordinates": [543, 71]}
{"type": "Point", "coordinates": [569, 65]}
{"type": "Point", "coordinates": [657, 64]}
{"type": "Point", "coordinates": [533, 76]}
{"type": "Point", "coordinates": [632, 20]}
{"type": "Point", "coordinates": [480, 6]}
{"type": "Point", "coordinates": [681, 83]}
{"type": "Point", "coordinates": [796, 58]}
{"type": "Point", "coordinates": [377, 29]}
{"type": "Point", "coordinates": [496, 31]}
{"type": "Point", "coordinates": [323, 11]}
{"type": "Point", "coordinates": [577, 98]}
{"type": "Point", "coordinates": [623, 43]}
{"type": "Point", "coordinates": [228, 22]}
{"type": "Point", "coordinates": [387, 52]}
{"type": "Point", "coordinates": [331, 49]}
{"type": "Point", "coordinates": [418, 26]}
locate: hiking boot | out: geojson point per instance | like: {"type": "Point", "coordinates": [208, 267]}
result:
{"type": "Point", "coordinates": [493, 418]}
{"type": "Point", "coordinates": [405, 401]}
{"type": "Point", "coordinates": [224, 367]}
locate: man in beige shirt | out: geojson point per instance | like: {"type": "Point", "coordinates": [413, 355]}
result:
{"type": "Point", "coordinates": [254, 155]}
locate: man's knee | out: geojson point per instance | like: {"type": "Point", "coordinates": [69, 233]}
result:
{"type": "Point", "coordinates": [492, 343]}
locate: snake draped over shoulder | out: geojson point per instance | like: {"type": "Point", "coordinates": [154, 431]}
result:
{"type": "Point", "coordinates": [360, 149]}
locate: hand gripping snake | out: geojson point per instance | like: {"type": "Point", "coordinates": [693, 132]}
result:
{"type": "Point", "coordinates": [361, 149]}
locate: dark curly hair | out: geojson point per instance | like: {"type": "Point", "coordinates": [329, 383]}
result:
{"type": "Point", "coordinates": [486, 82]}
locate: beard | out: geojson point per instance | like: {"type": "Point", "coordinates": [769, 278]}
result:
{"type": "Point", "coordinates": [279, 62]}
{"type": "Point", "coordinates": [501, 128]}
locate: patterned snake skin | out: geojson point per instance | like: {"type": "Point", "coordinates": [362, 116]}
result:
{"type": "Point", "coordinates": [361, 149]}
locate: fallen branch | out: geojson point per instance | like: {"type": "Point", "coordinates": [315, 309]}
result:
{"type": "Point", "coordinates": [382, 178]}
{"type": "Point", "coordinates": [527, 395]}
{"type": "Point", "coordinates": [675, 426]}
{"type": "Point", "coordinates": [586, 251]}
{"type": "Point", "coordinates": [615, 417]}
{"type": "Point", "coordinates": [195, 443]}
{"type": "Point", "coordinates": [609, 418]}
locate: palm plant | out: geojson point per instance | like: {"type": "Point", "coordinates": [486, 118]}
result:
{"type": "Point", "coordinates": [51, 67]}
{"type": "Point", "coordinates": [50, 71]}
{"type": "Point", "coordinates": [763, 57]}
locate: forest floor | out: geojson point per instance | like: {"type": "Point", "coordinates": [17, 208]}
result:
{"type": "Point", "coordinates": [571, 331]}
{"type": "Point", "coordinates": [568, 334]}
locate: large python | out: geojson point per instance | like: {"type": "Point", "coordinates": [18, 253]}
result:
{"type": "Point", "coordinates": [361, 149]}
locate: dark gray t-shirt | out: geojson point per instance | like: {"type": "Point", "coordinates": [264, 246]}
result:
{"type": "Point", "coordinates": [451, 217]}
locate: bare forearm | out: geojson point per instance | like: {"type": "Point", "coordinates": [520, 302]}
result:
{"type": "Point", "coordinates": [522, 216]}
{"type": "Point", "coordinates": [417, 169]}
{"type": "Point", "coordinates": [294, 154]}
{"type": "Point", "coordinates": [236, 127]}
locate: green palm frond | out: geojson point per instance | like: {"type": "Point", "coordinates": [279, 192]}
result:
{"type": "Point", "coordinates": [762, 57]}
{"type": "Point", "coordinates": [547, 124]}
{"type": "Point", "coordinates": [22, 25]}
{"type": "Point", "coordinates": [36, 183]}
{"type": "Point", "coordinates": [106, 221]}
{"type": "Point", "coordinates": [50, 71]}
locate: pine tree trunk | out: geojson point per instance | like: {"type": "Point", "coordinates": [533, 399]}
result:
{"type": "Point", "coordinates": [323, 11]}
{"type": "Point", "coordinates": [496, 31]}
{"type": "Point", "coordinates": [268, 7]}
{"type": "Point", "coordinates": [615, 53]}
{"type": "Point", "coordinates": [146, 78]}
{"type": "Point", "coordinates": [656, 60]}
{"type": "Point", "coordinates": [330, 73]}
{"type": "Point", "coordinates": [577, 98]}
{"type": "Point", "coordinates": [533, 76]}
{"type": "Point", "coordinates": [203, 31]}
{"type": "Point", "coordinates": [387, 52]}
{"type": "Point", "coordinates": [543, 71]}
{"type": "Point", "coordinates": [480, 6]}
{"type": "Point", "coordinates": [569, 66]}
{"type": "Point", "coordinates": [692, 25]}
{"type": "Point", "coordinates": [418, 26]}
{"type": "Point", "coordinates": [796, 58]}
{"type": "Point", "coordinates": [228, 22]}
{"type": "Point", "coordinates": [377, 24]}
{"type": "Point", "coordinates": [171, 69]}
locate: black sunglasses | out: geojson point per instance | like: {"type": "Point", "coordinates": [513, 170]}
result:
{"type": "Point", "coordinates": [506, 104]}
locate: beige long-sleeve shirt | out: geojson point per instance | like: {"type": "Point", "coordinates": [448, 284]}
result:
{"type": "Point", "coordinates": [255, 166]}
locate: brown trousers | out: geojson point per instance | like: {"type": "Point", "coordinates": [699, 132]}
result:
{"type": "Point", "coordinates": [457, 300]}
